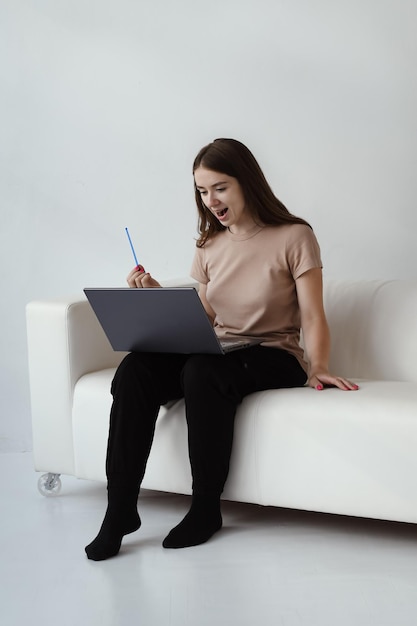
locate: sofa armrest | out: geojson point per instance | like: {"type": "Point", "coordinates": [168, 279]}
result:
{"type": "Point", "coordinates": [65, 341]}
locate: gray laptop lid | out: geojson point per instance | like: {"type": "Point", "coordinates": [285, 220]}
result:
{"type": "Point", "coordinates": [156, 320]}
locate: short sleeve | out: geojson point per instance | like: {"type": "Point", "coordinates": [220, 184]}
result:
{"type": "Point", "coordinates": [199, 267]}
{"type": "Point", "coordinates": [303, 251]}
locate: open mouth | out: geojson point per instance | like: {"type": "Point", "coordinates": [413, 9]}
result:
{"type": "Point", "coordinates": [221, 213]}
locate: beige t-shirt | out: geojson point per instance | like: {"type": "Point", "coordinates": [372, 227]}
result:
{"type": "Point", "coordinates": [251, 282]}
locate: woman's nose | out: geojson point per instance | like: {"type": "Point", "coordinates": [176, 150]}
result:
{"type": "Point", "coordinates": [213, 201]}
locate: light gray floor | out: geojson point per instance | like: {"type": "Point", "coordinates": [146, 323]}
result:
{"type": "Point", "coordinates": [268, 567]}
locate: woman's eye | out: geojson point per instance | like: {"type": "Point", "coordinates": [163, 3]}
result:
{"type": "Point", "coordinates": [221, 189]}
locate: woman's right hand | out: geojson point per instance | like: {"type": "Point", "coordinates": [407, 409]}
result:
{"type": "Point", "coordinates": [138, 279]}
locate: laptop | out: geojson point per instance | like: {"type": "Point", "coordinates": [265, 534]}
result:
{"type": "Point", "coordinates": [159, 320]}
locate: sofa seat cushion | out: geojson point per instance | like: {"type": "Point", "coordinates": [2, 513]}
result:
{"type": "Point", "coordinates": [330, 451]}
{"type": "Point", "coordinates": [352, 454]}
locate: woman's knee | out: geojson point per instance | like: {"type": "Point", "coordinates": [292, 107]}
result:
{"type": "Point", "coordinates": [198, 371]}
{"type": "Point", "coordinates": [205, 374]}
{"type": "Point", "coordinates": [132, 369]}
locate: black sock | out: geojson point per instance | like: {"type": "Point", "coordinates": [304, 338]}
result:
{"type": "Point", "coordinates": [122, 518]}
{"type": "Point", "coordinates": [201, 522]}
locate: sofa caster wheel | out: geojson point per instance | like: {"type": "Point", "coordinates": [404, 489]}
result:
{"type": "Point", "coordinates": [49, 484]}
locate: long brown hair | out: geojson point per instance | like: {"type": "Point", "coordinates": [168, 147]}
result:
{"type": "Point", "coordinates": [233, 158]}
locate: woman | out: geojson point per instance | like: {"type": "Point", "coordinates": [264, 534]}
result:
{"type": "Point", "coordinates": [259, 271]}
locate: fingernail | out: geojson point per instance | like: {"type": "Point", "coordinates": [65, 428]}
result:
{"type": "Point", "coordinates": [319, 387]}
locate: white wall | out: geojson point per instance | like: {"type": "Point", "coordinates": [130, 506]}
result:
{"type": "Point", "coordinates": [105, 103]}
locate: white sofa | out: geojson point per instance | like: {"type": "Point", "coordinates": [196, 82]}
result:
{"type": "Point", "coordinates": [352, 453]}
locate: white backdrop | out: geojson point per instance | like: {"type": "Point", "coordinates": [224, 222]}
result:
{"type": "Point", "coordinates": [104, 104]}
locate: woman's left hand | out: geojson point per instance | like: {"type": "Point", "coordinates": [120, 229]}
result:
{"type": "Point", "coordinates": [320, 380]}
{"type": "Point", "coordinates": [316, 332]}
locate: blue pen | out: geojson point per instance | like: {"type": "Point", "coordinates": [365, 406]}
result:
{"type": "Point", "coordinates": [139, 267]}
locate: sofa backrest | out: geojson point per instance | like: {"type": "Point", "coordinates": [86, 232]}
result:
{"type": "Point", "coordinates": [373, 325]}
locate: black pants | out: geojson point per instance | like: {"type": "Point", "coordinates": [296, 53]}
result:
{"type": "Point", "coordinates": [212, 386]}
